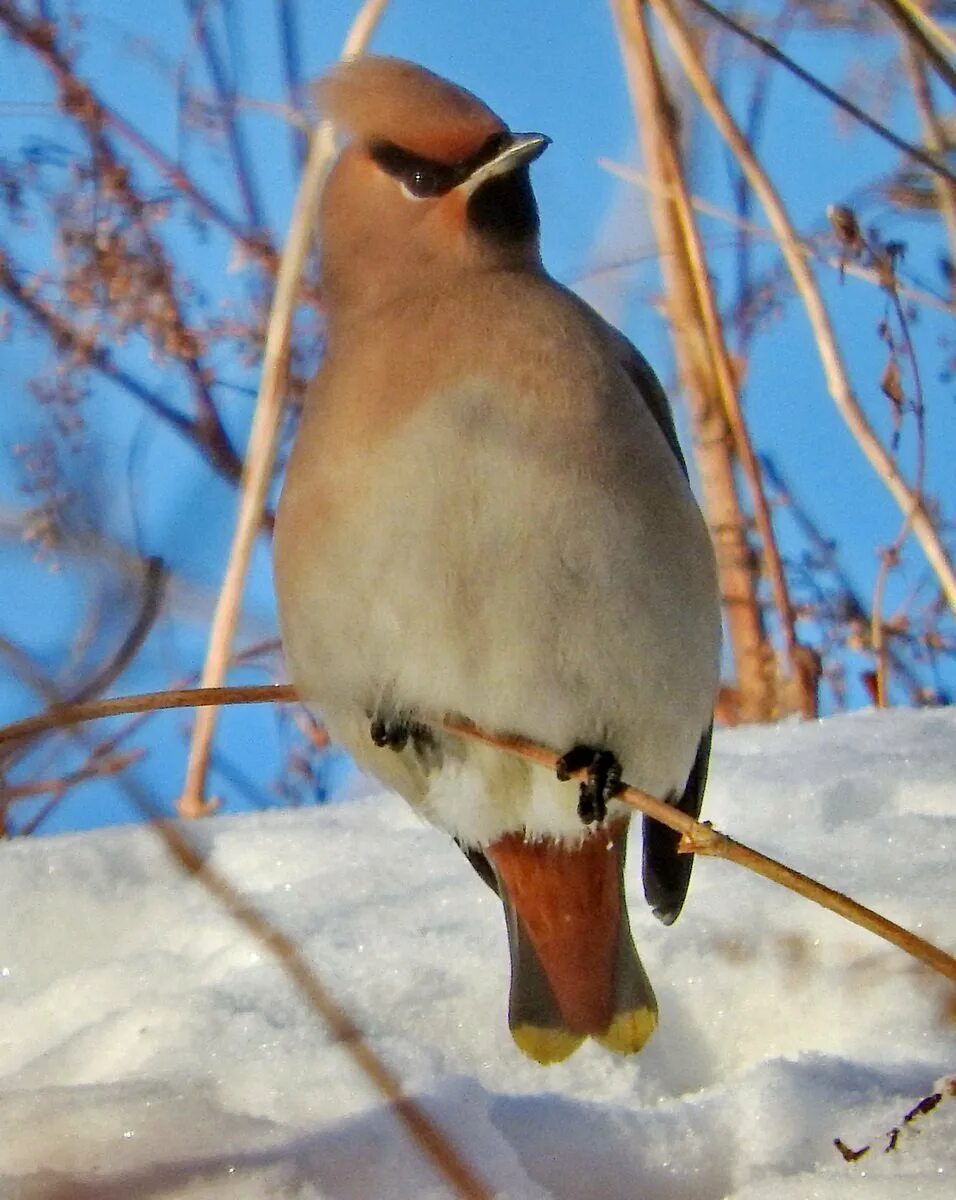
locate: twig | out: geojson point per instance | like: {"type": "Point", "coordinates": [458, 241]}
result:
{"type": "Point", "coordinates": [765, 47]}
{"type": "Point", "coordinates": [891, 555]}
{"type": "Point", "coordinates": [921, 30]}
{"type": "Point", "coordinates": [292, 70]}
{"type": "Point", "coordinates": [807, 247]}
{"type": "Point", "coordinates": [40, 37]}
{"type": "Point", "coordinates": [934, 137]}
{"type": "Point", "coordinates": [68, 338]}
{"type": "Point", "coordinates": [97, 765]}
{"type": "Point", "coordinates": [226, 92]}
{"type": "Point", "coordinates": [697, 837]}
{"type": "Point", "coordinates": [724, 372]}
{"type": "Point", "coordinates": [824, 549]}
{"type": "Point", "coordinates": [945, 1089]}
{"type": "Point", "coordinates": [263, 436]}
{"type": "Point", "coordinates": [737, 566]}
{"type": "Point", "coordinates": [910, 503]}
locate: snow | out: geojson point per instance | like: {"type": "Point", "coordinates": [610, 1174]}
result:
{"type": "Point", "coordinates": [150, 1046]}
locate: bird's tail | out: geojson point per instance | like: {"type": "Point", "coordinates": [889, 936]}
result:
{"type": "Point", "coordinates": [574, 970]}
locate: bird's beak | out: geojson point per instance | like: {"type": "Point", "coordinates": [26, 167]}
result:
{"type": "Point", "coordinates": [523, 148]}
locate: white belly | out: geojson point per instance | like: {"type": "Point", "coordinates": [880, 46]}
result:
{"type": "Point", "coordinates": [526, 587]}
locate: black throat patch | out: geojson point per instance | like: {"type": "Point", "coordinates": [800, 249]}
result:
{"type": "Point", "coordinates": [504, 208]}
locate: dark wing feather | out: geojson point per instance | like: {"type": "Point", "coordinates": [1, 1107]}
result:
{"type": "Point", "coordinates": [481, 865]}
{"type": "Point", "coordinates": [641, 374]}
{"type": "Point", "coordinates": [667, 873]}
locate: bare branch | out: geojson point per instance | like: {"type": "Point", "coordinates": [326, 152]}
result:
{"type": "Point", "coordinates": [697, 837]}
{"type": "Point", "coordinates": [292, 69]}
{"type": "Point", "coordinates": [39, 35]}
{"type": "Point", "coordinates": [701, 385]}
{"type": "Point", "coordinates": [208, 437]}
{"type": "Point", "coordinates": [635, 29]}
{"type": "Point", "coordinates": [807, 247]}
{"type": "Point", "coordinates": [226, 92]}
{"type": "Point", "coordinates": [914, 152]}
{"type": "Point", "coordinates": [921, 31]}
{"type": "Point", "coordinates": [837, 378]}
{"type": "Point", "coordinates": [263, 437]}
{"type": "Point", "coordinates": [935, 138]}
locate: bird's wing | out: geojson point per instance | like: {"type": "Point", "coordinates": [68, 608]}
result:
{"type": "Point", "coordinates": [641, 374]}
{"type": "Point", "coordinates": [482, 866]}
{"type": "Point", "coordinates": [667, 873]}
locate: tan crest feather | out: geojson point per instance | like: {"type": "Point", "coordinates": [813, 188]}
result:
{"type": "Point", "coordinates": [378, 98]}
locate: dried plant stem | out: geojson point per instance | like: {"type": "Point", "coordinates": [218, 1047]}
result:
{"type": "Point", "coordinates": [935, 138]}
{"type": "Point", "coordinates": [807, 247]}
{"type": "Point", "coordinates": [263, 437]}
{"type": "Point", "coordinates": [701, 387]}
{"type": "Point", "coordinates": [697, 837]}
{"type": "Point", "coordinates": [891, 555]}
{"type": "Point", "coordinates": [724, 374]}
{"type": "Point", "coordinates": [937, 165]}
{"type": "Point", "coordinates": [910, 502]}
{"type": "Point", "coordinates": [921, 30]}
{"type": "Point", "coordinates": [39, 35]}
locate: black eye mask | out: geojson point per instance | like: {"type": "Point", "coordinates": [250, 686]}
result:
{"type": "Point", "coordinates": [424, 177]}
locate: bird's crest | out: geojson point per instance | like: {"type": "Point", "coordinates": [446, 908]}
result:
{"type": "Point", "coordinates": [376, 99]}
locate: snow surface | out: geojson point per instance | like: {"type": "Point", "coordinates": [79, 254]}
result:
{"type": "Point", "coordinates": [151, 1047]}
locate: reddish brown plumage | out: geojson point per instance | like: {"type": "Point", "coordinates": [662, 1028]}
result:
{"type": "Point", "coordinates": [377, 98]}
{"type": "Point", "coordinates": [568, 899]}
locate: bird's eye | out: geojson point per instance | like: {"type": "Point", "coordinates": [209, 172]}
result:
{"type": "Point", "coordinates": [424, 180]}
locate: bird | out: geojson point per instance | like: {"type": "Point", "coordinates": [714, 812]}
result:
{"type": "Point", "coordinates": [486, 513]}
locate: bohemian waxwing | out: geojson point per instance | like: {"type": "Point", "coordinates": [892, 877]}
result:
{"type": "Point", "coordinates": [486, 513]}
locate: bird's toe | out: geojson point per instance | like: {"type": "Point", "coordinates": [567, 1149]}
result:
{"type": "Point", "coordinates": [602, 784]}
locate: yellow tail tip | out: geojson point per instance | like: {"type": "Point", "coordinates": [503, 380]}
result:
{"type": "Point", "coordinates": [629, 1031]}
{"type": "Point", "coordinates": [546, 1046]}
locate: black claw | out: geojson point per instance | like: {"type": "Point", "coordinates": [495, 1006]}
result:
{"type": "Point", "coordinates": [576, 758]}
{"type": "Point", "coordinates": [395, 733]}
{"type": "Point", "coordinates": [602, 784]}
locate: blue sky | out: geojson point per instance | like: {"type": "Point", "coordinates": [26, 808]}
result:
{"type": "Point", "coordinates": [553, 68]}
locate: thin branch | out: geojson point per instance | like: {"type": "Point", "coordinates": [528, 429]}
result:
{"type": "Point", "coordinates": [226, 92]}
{"type": "Point", "coordinates": [697, 837]}
{"type": "Point", "coordinates": [921, 30]}
{"type": "Point", "coordinates": [71, 340]}
{"type": "Point", "coordinates": [79, 102]}
{"type": "Point", "coordinates": [825, 552]}
{"type": "Point", "coordinates": [40, 37]}
{"type": "Point", "coordinates": [837, 379]}
{"type": "Point", "coordinates": [97, 766]}
{"type": "Point", "coordinates": [263, 437]}
{"type": "Point", "coordinates": [891, 555]}
{"type": "Point", "coordinates": [292, 70]}
{"type": "Point", "coordinates": [934, 137]}
{"type": "Point", "coordinates": [636, 29]}
{"type": "Point", "coordinates": [738, 572]}
{"type": "Point", "coordinates": [806, 246]}
{"type": "Point", "coordinates": [914, 152]}
{"type": "Point", "coordinates": [151, 601]}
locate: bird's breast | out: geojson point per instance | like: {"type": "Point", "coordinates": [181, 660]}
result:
{"type": "Point", "coordinates": [550, 580]}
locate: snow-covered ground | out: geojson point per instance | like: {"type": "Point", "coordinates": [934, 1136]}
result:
{"type": "Point", "coordinates": [151, 1047]}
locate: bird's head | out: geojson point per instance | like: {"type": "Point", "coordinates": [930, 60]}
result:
{"type": "Point", "coordinates": [430, 182]}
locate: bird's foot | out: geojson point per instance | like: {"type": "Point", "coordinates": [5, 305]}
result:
{"type": "Point", "coordinates": [602, 784]}
{"type": "Point", "coordinates": [396, 732]}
